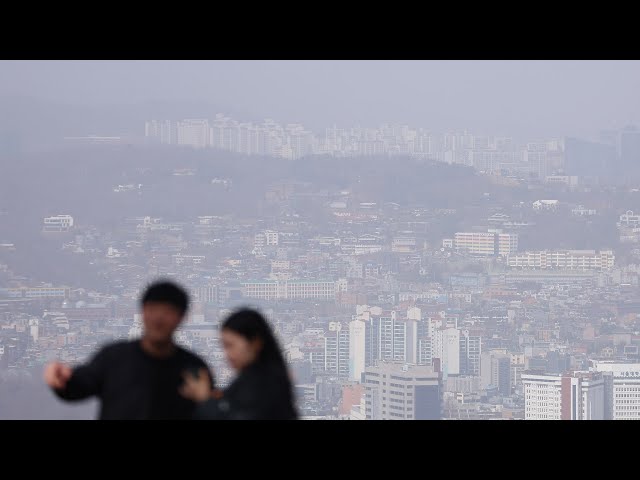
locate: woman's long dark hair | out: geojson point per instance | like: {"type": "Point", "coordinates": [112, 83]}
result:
{"type": "Point", "coordinates": [252, 325]}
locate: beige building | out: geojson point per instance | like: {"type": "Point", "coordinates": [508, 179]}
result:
{"type": "Point", "coordinates": [486, 243]}
{"type": "Point", "coordinates": [396, 391]}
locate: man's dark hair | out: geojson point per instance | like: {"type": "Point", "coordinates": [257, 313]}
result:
{"type": "Point", "coordinates": [167, 292]}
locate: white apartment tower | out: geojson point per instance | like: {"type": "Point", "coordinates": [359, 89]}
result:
{"type": "Point", "coordinates": [357, 346]}
{"type": "Point", "coordinates": [194, 133]}
{"type": "Point", "coordinates": [159, 131]}
{"type": "Point", "coordinates": [446, 347]}
{"type": "Point", "coordinates": [336, 349]}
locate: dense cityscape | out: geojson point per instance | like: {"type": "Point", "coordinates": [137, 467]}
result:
{"type": "Point", "coordinates": [426, 240]}
{"type": "Point", "coordinates": [516, 299]}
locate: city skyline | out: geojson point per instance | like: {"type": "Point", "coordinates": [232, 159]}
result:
{"type": "Point", "coordinates": [427, 240]}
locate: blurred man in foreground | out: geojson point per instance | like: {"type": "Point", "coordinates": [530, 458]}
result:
{"type": "Point", "coordinates": [140, 379]}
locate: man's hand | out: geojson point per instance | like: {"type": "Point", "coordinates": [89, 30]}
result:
{"type": "Point", "coordinates": [196, 388]}
{"type": "Point", "coordinates": [57, 375]}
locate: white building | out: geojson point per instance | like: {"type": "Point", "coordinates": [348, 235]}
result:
{"type": "Point", "coordinates": [623, 389]}
{"type": "Point", "coordinates": [135, 331]}
{"type": "Point", "coordinates": [629, 219]}
{"type": "Point", "coordinates": [572, 181]}
{"type": "Point", "coordinates": [391, 333]}
{"type": "Point", "coordinates": [577, 396]}
{"type": "Point", "coordinates": [159, 131]}
{"type": "Point", "coordinates": [293, 289]}
{"type": "Point", "coordinates": [446, 347]}
{"type": "Point", "coordinates": [581, 211]}
{"type": "Point", "coordinates": [271, 238]}
{"type": "Point", "coordinates": [194, 133]}
{"type": "Point", "coordinates": [357, 346]}
{"type": "Point", "coordinates": [563, 259]}
{"type": "Point", "coordinates": [540, 205]}
{"type": "Point", "coordinates": [266, 238]}
{"type": "Point", "coordinates": [336, 349]}
{"type": "Point", "coordinates": [57, 223]}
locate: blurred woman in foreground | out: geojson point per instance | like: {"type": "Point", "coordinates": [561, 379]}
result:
{"type": "Point", "coordinates": [262, 389]}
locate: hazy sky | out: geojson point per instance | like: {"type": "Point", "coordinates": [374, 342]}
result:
{"type": "Point", "coordinates": [510, 97]}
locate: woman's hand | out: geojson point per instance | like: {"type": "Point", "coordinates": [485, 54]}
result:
{"type": "Point", "coordinates": [196, 387]}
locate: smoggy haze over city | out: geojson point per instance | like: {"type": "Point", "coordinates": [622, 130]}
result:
{"type": "Point", "coordinates": [525, 99]}
{"type": "Point", "coordinates": [467, 230]}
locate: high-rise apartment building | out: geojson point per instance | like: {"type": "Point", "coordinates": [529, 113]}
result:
{"type": "Point", "coordinates": [446, 347]}
{"type": "Point", "coordinates": [160, 131]}
{"type": "Point", "coordinates": [470, 353]}
{"type": "Point", "coordinates": [194, 133]}
{"type": "Point", "coordinates": [336, 349]}
{"type": "Point", "coordinates": [495, 370]}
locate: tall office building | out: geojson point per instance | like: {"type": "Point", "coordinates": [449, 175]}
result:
{"type": "Point", "coordinates": [219, 130]}
{"type": "Point", "coordinates": [395, 391]}
{"type": "Point", "coordinates": [364, 340]}
{"type": "Point", "coordinates": [423, 337]}
{"type": "Point", "coordinates": [622, 396]}
{"type": "Point", "coordinates": [470, 352]}
{"type": "Point", "coordinates": [446, 347]}
{"type": "Point", "coordinates": [357, 347]}
{"type": "Point", "coordinates": [501, 374]}
{"type": "Point", "coordinates": [392, 337]}
{"type": "Point", "coordinates": [313, 350]}
{"type": "Point", "coordinates": [425, 351]}
{"type": "Point", "coordinates": [336, 349]}
{"type": "Point", "coordinates": [413, 335]}
{"type": "Point", "coordinates": [576, 396]}
{"type": "Point", "coordinates": [495, 370]}
{"type": "Point", "coordinates": [517, 369]}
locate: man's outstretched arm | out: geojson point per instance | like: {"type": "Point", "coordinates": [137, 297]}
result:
{"type": "Point", "coordinates": [77, 383]}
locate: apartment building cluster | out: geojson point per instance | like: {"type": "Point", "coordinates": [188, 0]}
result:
{"type": "Point", "coordinates": [472, 327]}
{"type": "Point", "coordinates": [488, 154]}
